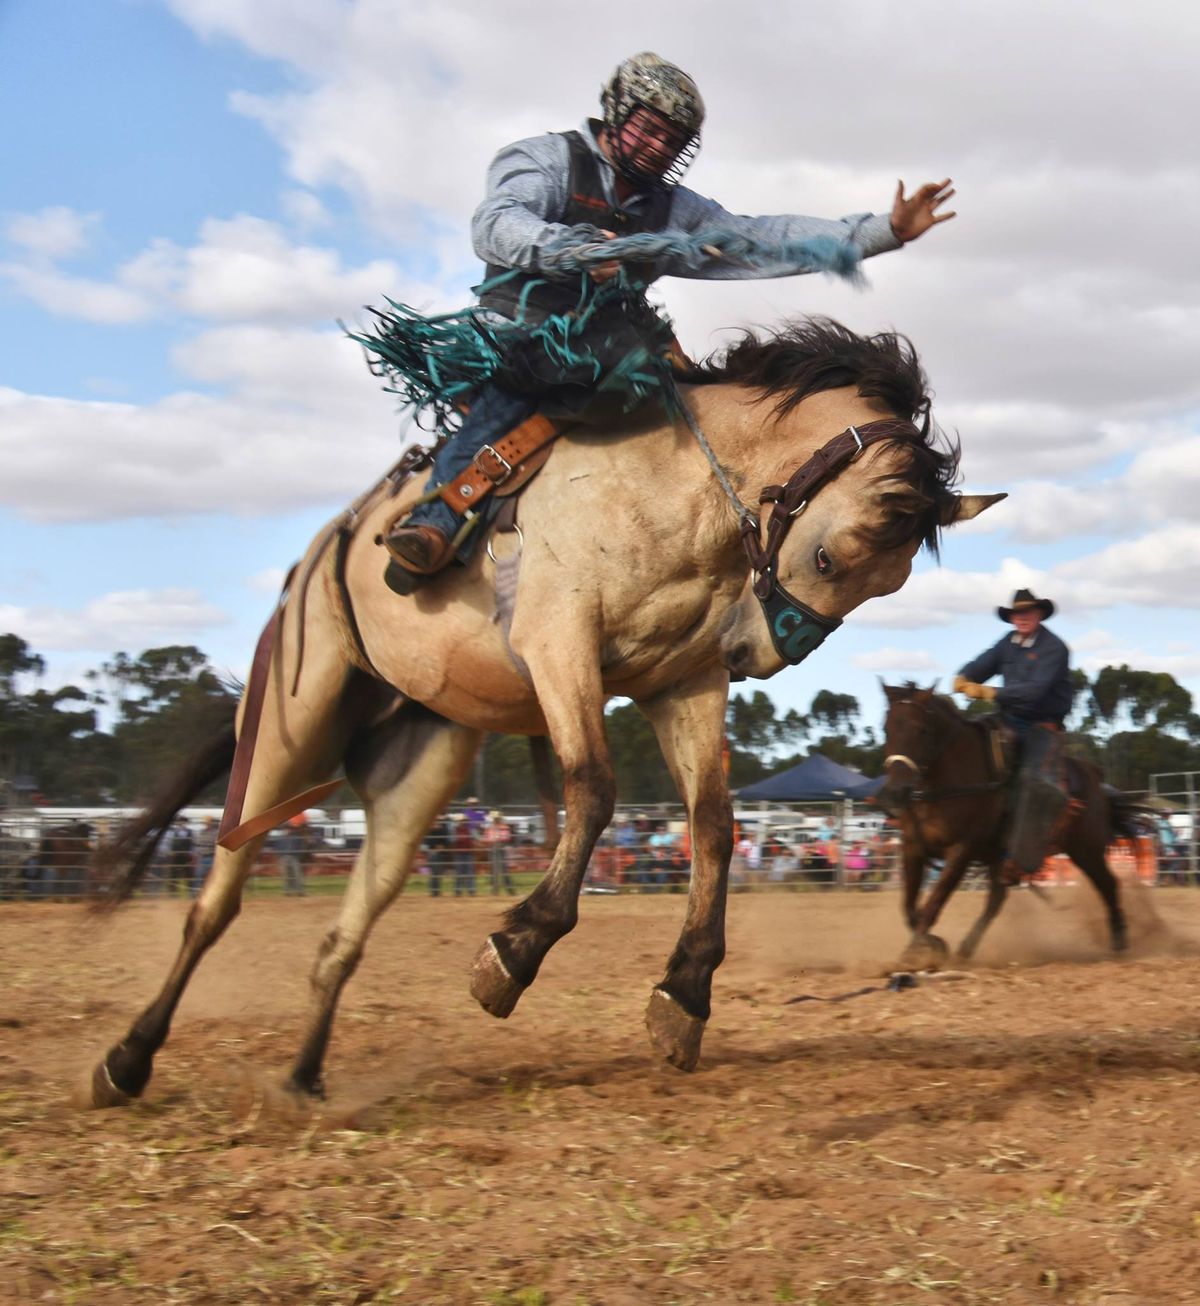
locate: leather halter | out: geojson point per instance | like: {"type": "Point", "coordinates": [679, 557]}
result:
{"type": "Point", "coordinates": [792, 498]}
{"type": "Point", "coordinates": [796, 629]}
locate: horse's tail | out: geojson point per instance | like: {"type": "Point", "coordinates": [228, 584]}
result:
{"type": "Point", "coordinates": [1129, 817]}
{"type": "Point", "coordinates": [120, 862]}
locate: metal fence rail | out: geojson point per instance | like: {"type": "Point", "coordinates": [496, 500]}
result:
{"type": "Point", "coordinates": [45, 854]}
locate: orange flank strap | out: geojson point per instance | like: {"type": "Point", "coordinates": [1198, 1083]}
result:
{"type": "Point", "coordinates": [495, 463]}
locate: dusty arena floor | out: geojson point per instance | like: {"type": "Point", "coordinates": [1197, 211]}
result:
{"type": "Point", "coordinates": [1025, 1134]}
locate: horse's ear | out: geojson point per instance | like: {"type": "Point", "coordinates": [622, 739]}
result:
{"type": "Point", "coordinates": [933, 687]}
{"type": "Point", "coordinates": [962, 507]}
{"type": "Point", "coordinates": [889, 691]}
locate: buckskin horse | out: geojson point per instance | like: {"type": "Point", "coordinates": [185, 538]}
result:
{"type": "Point", "coordinates": [946, 785]}
{"type": "Point", "coordinates": [641, 574]}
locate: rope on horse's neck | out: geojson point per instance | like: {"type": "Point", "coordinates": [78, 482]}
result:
{"type": "Point", "coordinates": [743, 513]}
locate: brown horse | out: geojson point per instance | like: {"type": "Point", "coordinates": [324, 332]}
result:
{"type": "Point", "coordinates": [64, 854]}
{"type": "Point", "coordinates": [948, 792]}
{"type": "Point", "coordinates": [633, 581]}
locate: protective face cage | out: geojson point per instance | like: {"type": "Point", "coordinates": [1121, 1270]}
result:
{"type": "Point", "coordinates": [649, 82]}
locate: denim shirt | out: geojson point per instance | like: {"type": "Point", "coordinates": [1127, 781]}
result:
{"type": "Point", "coordinates": [527, 187]}
{"type": "Point", "coordinates": [1037, 676]}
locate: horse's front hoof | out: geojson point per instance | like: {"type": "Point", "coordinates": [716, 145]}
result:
{"type": "Point", "coordinates": [675, 1035]}
{"type": "Point", "coordinates": [925, 952]}
{"type": "Point", "coordinates": [104, 1092]}
{"type": "Point", "coordinates": [491, 984]}
{"type": "Point", "coordinates": [308, 1092]}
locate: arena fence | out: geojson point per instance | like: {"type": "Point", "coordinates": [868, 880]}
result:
{"type": "Point", "coordinates": [45, 853]}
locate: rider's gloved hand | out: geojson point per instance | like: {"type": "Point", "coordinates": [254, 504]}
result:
{"type": "Point", "coordinates": [968, 687]}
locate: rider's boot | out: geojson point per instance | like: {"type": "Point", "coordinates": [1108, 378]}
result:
{"type": "Point", "coordinates": [1010, 873]}
{"type": "Point", "coordinates": [422, 544]}
{"type": "Point", "coordinates": [416, 553]}
{"type": "Point", "coordinates": [423, 549]}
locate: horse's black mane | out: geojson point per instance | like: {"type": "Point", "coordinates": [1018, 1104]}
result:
{"type": "Point", "coordinates": [809, 355]}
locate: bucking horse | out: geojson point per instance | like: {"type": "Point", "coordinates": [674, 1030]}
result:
{"type": "Point", "coordinates": [795, 478]}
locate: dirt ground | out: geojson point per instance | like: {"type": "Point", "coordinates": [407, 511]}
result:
{"type": "Point", "coordinates": [1026, 1133]}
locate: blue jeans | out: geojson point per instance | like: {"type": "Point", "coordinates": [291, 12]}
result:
{"type": "Point", "coordinates": [494, 412]}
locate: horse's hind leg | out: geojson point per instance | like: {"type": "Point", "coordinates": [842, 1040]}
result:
{"type": "Point", "coordinates": [126, 1068]}
{"type": "Point", "coordinates": [1092, 862]}
{"type": "Point", "coordinates": [300, 742]}
{"type": "Point", "coordinates": [405, 772]}
{"type": "Point", "coordinates": [572, 701]}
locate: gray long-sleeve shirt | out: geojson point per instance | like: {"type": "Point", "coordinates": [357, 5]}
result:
{"type": "Point", "coordinates": [527, 189]}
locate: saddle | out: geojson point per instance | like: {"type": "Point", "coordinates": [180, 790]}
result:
{"type": "Point", "coordinates": [1000, 745]}
{"type": "Point", "coordinates": [502, 469]}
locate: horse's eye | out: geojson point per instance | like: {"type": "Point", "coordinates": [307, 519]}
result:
{"type": "Point", "coordinates": [823, 561]}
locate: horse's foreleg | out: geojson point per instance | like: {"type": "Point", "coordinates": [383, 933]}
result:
{"type": "Point", "coordinates": [925, 948]}
{"type": "Point", "coordinates": [690, 723]}
{"type": "Point", "coordinates": [997, 893]}
{"type": "Point", "coordinates": [572, 701]}
{"type": "Point", "coordinates": [405, 774]}
{"type": "Point", "coordinates": [912, 874]}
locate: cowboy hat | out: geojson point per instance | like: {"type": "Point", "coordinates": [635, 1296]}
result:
{"type": "Point", "coordinates": [1026, 601]}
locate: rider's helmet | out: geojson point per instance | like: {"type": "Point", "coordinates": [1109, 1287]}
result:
{"type": "Point", "coordinates": [670, 102]}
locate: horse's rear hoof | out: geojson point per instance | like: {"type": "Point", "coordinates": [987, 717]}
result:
{"type": "Point", "coordinates": [104, 1092]}
{"type": "Point", "coordinates": [675, 1035]}
{"type": "Point", "coordinates": [491, 985]}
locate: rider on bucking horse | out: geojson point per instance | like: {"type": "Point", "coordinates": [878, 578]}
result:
{"type": "Point", "coordinates": [614, 177]}
{"type": "Point", "coordinates": [1034, 700]}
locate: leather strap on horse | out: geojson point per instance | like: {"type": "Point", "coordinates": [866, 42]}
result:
{"type": "Point", "coordinates": [789, 500]}
{"type": "Point", "coordinates": [243, 757]}
{"type": "Point", "coordinates": [342, 529]}
{"type": "Point", "coordinates": [495, 463]}
{"type": "Point", "coordinates": [234, 832]}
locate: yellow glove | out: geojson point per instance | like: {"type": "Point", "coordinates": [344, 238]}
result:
{"type": "Point", "coordinates": [968, 687]}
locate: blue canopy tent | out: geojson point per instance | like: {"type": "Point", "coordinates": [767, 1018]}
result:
{"type": "Point", "coordinates": [816, 779]}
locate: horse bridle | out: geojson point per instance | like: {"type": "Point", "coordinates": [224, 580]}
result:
{"type": "Point", "coordinates": [925, 794]}
{"type": "Point", "coordinates": [796, 629]}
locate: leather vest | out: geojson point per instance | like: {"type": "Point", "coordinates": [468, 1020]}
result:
{"type": "Point", "coordinates": [586, 204]}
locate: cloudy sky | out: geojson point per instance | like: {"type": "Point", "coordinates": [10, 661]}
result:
{"type": "Point", "coordinates": [194, 191]}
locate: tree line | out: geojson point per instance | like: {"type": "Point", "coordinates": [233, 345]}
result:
{"type": "Point", "coordinates": [114, 737]}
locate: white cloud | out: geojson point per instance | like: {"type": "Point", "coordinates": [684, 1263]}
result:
{"type": "Point", "coordinates": [51, 233]}
{"type": "Point", "coordinates": [268, 581]}
{"type": "Point", "coordinates": [128, 619]}
{"type": "Point", "coordinates": [304, 209]}
{"type": "Point", "coordinates": [901, 660]}
{"type": "Point", "coordinates": [241, 269]}
{"type": "Point", "coordinates": [306, 424]}
{"type": "Point", "coordinates": [77, 297]}
{"type": "Point", "coordinates": [1160, 569]}
{"type": "Point", "coordinates": [1164, 481]}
